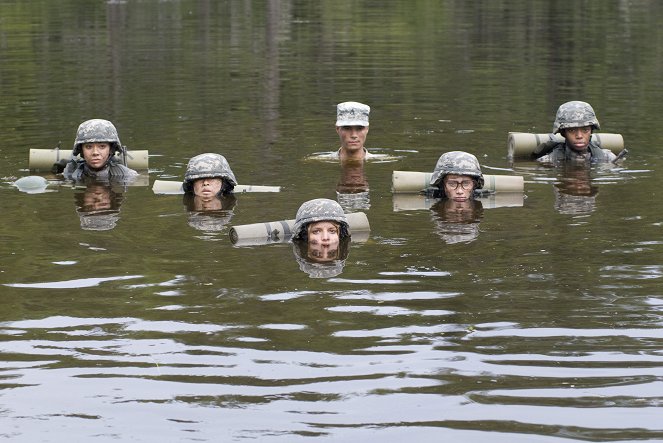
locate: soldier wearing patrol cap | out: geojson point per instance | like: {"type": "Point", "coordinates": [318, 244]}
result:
{"type": "Point", "coordinates": [352, 129]}
{"type": "Point", "coordinates": [575, 121]}
{"type": "Point", "coordinates": [321, 236]}
{"type": "Point", "coordinates": [94, 154]}
{"type": "Point", "coordinates": [456, 176]}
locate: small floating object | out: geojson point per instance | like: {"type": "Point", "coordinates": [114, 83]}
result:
{"type": "Point", "coordinates": [32, 184]}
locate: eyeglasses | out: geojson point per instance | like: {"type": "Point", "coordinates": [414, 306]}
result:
{"type": "Point", "coordinates": [453, 184]}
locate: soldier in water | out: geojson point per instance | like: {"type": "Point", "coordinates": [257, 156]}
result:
{"type": "Point", "coordinates": [208, 191]}
{"type": "Point", "coordinates": [576, 122]}
{"type": "Point", "coordinates": [352, 129]}
{"type": "Point", "coordinates": [455, 180]}
{"type": "Point", "coordinates": [457, 175]}
{"type": "Point", "coordinates": [320, 238]}
{"type": "Point", "coordinates": [97, 144]}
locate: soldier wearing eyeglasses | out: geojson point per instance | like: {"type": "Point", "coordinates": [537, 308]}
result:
{"type": "Point", "coordinates": [457, 214]}
{"type": "Point", "coordinates": [456, 176]}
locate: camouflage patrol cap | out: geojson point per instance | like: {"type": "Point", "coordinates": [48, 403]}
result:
{"type": "Point", "coordinates": [96, 131]}
{"type": "Point", "coordinates": [575, 114]}
{"type": "Point", "coordinates": [319, 209]}
{"type": "Point", "coordinates": [457, 162]}
{"type": "Point", "coordinates": [352, 114]}
{"type": "Point", "coordinates": [209, 165]}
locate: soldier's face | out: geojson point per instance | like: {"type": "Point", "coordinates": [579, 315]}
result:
{"type": "Point", "coordinates": [323, 233]}
{"type": "Point", "coordinates": [207, 187]}
{"type": "Point", "coordinates": [578, 138]}
{"type": "Point", "coordinates": [458, 188]}
{"type": "Point", "coordinates": [96, 154]}
{"type": "Point", "coordinates": [352, 137]}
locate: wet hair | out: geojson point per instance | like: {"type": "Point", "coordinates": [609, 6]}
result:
{"type": "Point", "coordinates": [226, 187]}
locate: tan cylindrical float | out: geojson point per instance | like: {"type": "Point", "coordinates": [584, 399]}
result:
{"type": "Point", "coordinates": [409, 181]}
{"type": "Point", "coordinates": [43, 159]}
{"type": "Point", "coordinates": [417, 202]}
{"type": "Point", "coordinates": [173, 187]}
{"type": "Point", "coordinates": [523, 144]}
{"type": "Point", "coordinates": [281, 231]}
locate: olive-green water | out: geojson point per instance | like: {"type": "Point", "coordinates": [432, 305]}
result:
{"type": "Point", "coordinates": [543, 322]}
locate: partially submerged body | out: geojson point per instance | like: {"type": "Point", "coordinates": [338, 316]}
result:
{"type": "Point", "coordinates": [575, 121]}
{"type": "Point", "coordinates": [94, 154]}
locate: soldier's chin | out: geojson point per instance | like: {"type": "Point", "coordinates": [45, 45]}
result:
{"type": "Point", "coordinates": [95, 166]}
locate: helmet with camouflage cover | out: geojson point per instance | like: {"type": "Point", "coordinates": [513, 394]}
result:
{"type": "Point", "coordinates": [319, 209]}
{"type": "Point", "coordinates": [209, 165]}
{"type": "Point", "coordinates": [575, 114]}
{"type": "Point", "coordinates": [97, 131]}
{"type": "Point", "coordinates": [457, 162]}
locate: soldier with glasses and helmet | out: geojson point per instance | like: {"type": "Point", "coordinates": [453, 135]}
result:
{"type": "Point", "coordinates": [455, 181]}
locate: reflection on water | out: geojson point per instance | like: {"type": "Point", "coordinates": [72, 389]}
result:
{"type": "Point", "coordinates": [320, 261]}
{"type": "Point", "coordinates": [457, 222]}
{"type": "Point", "coordinates": [575, 193]}
{"type": "Point", "coordinates": [209, 213]}
{"type": "Point", "coordinates": [537, 326]}
{"type": "Point", "coordinates": [352, 187]}
{"type": "Point", "coordinates": [98, 206]}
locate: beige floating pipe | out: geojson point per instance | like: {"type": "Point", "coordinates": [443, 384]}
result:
{"type": "Point", "coordinates": [173, 187]}
{"type": "Point", "coordinates": [408, 181]}
{"type": "Point", "coordinates": [43, 159]}
{"type": "Point", "coordinates": [523, 144]}
{"type": "Point", "coordinates": [416, 202]}
{"type": "Point", "coordinates": [281, 231]}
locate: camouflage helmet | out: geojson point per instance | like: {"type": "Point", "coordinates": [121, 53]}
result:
{"type": "Point", "coordinates": [319, 209]}
{"type": "Point", "coordinates": [457, 162]}
{"type": "Point", "coordinates": [575, 114]}
{"type": "Point", "coordinates": [96, 131]}
{"type": "Point", "coordinates": [209, 165]}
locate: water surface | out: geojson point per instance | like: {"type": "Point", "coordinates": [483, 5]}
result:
{"type": "Point", "coordinates": [540, 322]}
